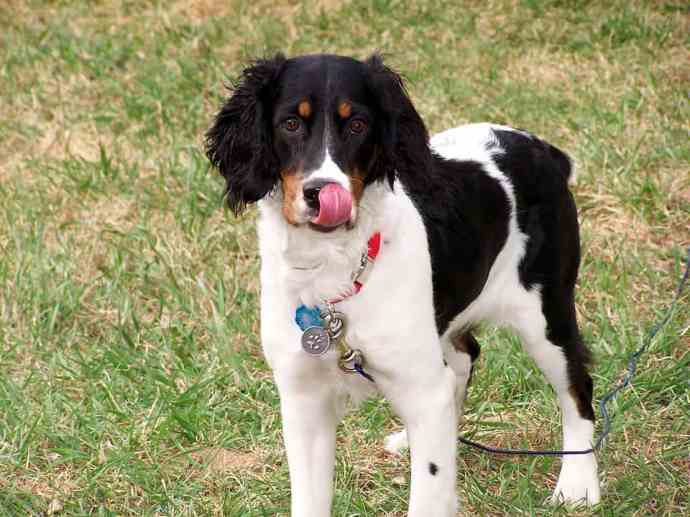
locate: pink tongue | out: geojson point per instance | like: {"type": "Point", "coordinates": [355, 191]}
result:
{"type": "Point", "coordinates": [335, 205]}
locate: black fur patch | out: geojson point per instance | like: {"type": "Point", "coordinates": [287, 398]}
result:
{"type": "Point", "coordinates": [465, 211]}
{"type": "Point", "coordinates": [546, 213]}
{"type": "Point", "coordinates": [239, 141]}
{"type": "Point", "coordinates": [466, 215]}
{"type": "Point", "coordinates": [433, 468]}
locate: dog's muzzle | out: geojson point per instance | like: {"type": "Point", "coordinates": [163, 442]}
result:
{"type": "Point", "coordinates": [331, 201]}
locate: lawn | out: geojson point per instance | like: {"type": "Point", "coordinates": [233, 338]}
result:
{"type": "Point", "coordinates": [131, 378]}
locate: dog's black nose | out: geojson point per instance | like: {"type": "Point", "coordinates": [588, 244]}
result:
{"type": "Point", "coordinates": [311, 190]}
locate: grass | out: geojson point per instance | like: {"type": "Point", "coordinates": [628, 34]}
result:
{"type": "Point", "coordinates": [131, 379]}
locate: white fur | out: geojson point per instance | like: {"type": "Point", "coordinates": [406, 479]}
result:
{"type": "Point", "coordinates": [396, 443]}
{"type": "Point", "coordinates": [392, 322]}
{"type": "Point", "coordinates": [329, 170]}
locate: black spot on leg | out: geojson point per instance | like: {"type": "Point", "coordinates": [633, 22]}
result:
{"type": "Point", "coordinates": [433, 469]}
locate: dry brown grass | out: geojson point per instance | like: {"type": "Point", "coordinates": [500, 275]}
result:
{"type": "Point", "coordinates": [224, 461]}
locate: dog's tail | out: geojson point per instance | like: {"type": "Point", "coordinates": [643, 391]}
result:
{"type": "Point", "coordinates": [520, 148]}
{"type": "Point", "coordinates": [562, 163]}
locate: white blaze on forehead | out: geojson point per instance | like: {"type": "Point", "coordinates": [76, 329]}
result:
{"type": "Point", "coordinates": [329, 170]}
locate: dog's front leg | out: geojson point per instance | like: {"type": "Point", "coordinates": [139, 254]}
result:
{"type": "Point", "coordinates": [426, 404]}
{"type": "Point", "coordinates": [309, 416]}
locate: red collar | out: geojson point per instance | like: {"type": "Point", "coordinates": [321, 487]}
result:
{"type": "Point", "coordinates": [362, 272]}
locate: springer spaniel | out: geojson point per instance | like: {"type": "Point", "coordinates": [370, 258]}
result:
{"type": "Point", "coordinates": [380, 248]}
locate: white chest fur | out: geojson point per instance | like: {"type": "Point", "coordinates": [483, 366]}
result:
{"type": "Point", "coordinates": [300, 265]}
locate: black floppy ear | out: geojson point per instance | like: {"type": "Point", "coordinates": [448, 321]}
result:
{"type": "Point", "coordinates": [239, 142]}
{"type": "Point", "coordinates": [403, 137]}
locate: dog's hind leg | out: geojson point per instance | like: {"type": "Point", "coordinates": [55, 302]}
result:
{"type": "Point", "coordinates": [545, 320]}
{"type": "Point", "coordinates": [461, 350]}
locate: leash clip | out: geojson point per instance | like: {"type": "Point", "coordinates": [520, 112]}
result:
{"type": "Point", "coordinates": [349, 359]}
{"type": "Point", "coordinates": [352, 361]}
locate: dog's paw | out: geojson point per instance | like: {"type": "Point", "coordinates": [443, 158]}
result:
{"type": "Point", "coordinates": [578, 485]}
{"type": "Point", "coordinates": [396, 443]}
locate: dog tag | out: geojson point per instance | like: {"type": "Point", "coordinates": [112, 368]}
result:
{"type": "Point", "coordinates": [306, 317]}
{"type": "Point", "coordinates": [315, 340]}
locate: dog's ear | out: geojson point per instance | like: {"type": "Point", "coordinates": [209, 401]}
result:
{"type": "Point", "coordinates": [239, 143]}
{"type": "Point", "coordinates": [403, 137]}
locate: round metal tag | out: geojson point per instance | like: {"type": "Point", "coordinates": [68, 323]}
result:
{"type": "Point", "coordinates": [315, 340]}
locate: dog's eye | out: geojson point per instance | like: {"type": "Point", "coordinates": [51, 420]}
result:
{"type": "Point", "coordinates": [292, 124]}
{"type": "Point", "coordinates": [357, 126]}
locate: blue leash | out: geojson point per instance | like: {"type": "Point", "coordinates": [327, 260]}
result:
{"type": "Point", "coordinates": [623, 383]}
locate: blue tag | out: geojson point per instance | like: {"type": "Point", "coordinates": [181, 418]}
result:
{"type": "Point", "coordinates": [306, 317]}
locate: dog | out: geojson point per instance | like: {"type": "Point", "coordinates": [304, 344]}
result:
{"type": "Point", "coordinates": [474, 224]}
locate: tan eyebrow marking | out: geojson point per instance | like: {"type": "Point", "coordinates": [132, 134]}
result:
{"type": "Point", "coordinates": [345, 109]}
{"type": "Point", "coordinates": [304, 109]}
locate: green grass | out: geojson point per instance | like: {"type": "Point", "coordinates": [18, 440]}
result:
{"type": "Point", "coordinates": [131, 378]}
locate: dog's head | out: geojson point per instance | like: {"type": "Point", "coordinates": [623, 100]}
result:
{"type": "Point", "coordinates": [323, 128]}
